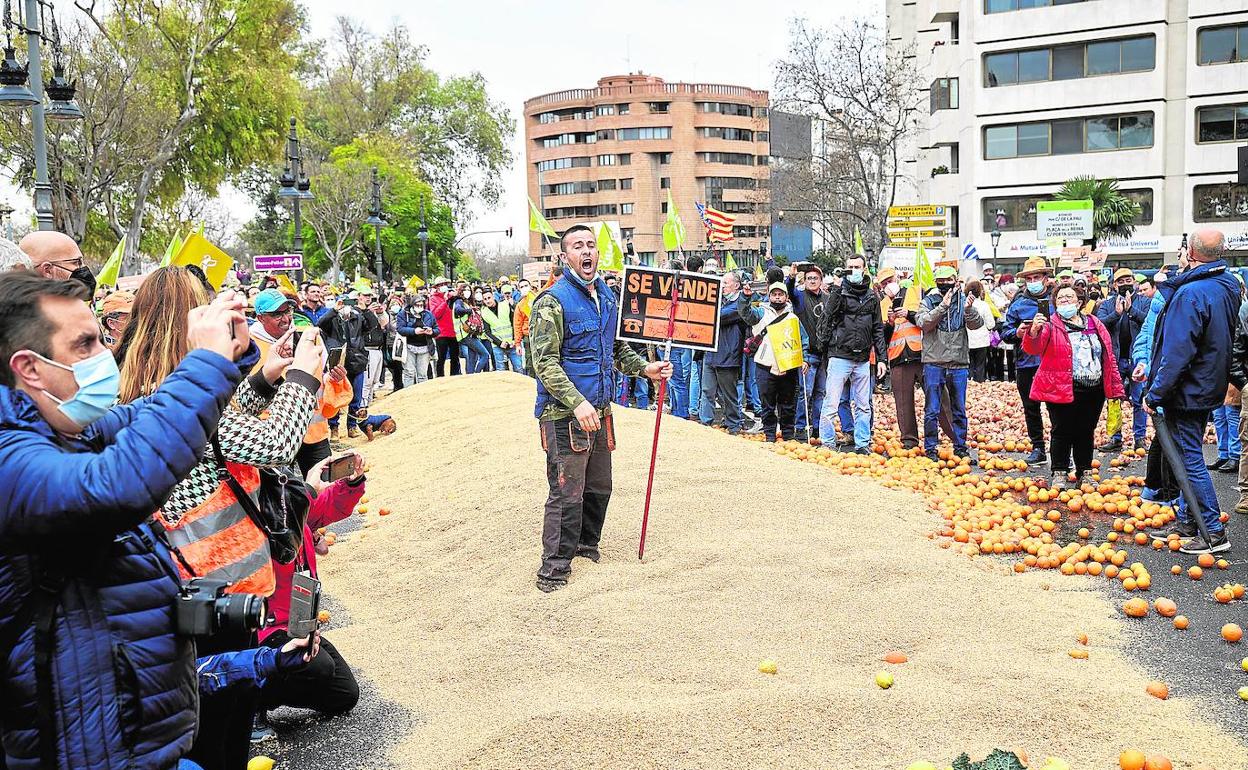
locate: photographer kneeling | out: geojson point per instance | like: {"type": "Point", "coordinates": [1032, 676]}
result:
{"type": "Point", "coordinates": [96, 675]}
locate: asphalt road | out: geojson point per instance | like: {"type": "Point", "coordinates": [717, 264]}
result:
{"type": "Point", "coordinates": [1196, 663]}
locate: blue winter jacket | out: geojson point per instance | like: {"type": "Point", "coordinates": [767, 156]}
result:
{"type": "Point", "coordinates": [736, 316]}
{"type": "Point", "coordinates": [124, 684]}
{"type": "Point", "coordinates": [1021, 311]}
{"type": "Point", "coordinates": [1134, 317]}
{"type": "Point", "coordinates": [1142, 348]}
{"type": "Point", "coordinates": [1192, 347]}
{"type": "Point", "coordinates": [408, 321]}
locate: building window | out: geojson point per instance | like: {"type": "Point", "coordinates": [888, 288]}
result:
{"type": "Point", "coordinates": [659, 107]}
{"type": "Point", "coordinates": [731, 158]}
{"type": "Point", "coordinates": [625, 158]}
{"type": "Point", "coordinates": [727, 108]}
{"type": "Point", "coordinates": [626, 184]}
{"type": "Point", "coordinates": [558, 163]}
{"type": "Point", "coordinates": [718, 132]}
{"type": "Point", "coordinates": [1222, 45]}
{"type": "Point", "coordinates": [606, 160]}
{"type": "Point", "coordinates": [1069, 136]}
{"type": "Point", "coordinates": [621, 109]}
{"type": "Point", "coordinates": [606, 184]}
{"type": "Point", "coordinates": [561, 139]}
{"type": "Point", "coordinates": [762, 136]}
{"type": "Point", "coordinates": [665, 182]}
{"type": "Point", "coordinates": [750, 231]}
{"type": "Point", "coordinates": [570, 188]}
{"type": "Point", "coordinates": [1222, 123]}
{"type": "Point", "coordinates": [1220, 203]}
{"type": "Point", "coordinates": [627, 233]}
{"type": "Point", "coordinates": [625, 208]}
{"type": "Point", "coordinates": [1001, 6]}
{"type": "Point", "coordinates": [954, 216]}
{"type": "Point", "coordinates": [653, 132]}
{"type": "Point", "coordinates": [763, 160]}
{"type": "Point", "coordinates": [604, 109]}
{"type": "Point", "coordinates": [944, 94]}
{"type": "Point", "coordinates": [1069, 62]}
{"type": "Point", "coordinates": [604, 133]}
{"type": "Point", "coordinates": [547, 117]}
{"type": "Point", "coordinates": [663, 207]}
{"type": "Point", "coordinates": [665, 158]}
{"type": "Point", "coordinates": [737, 207]}
{"type": "Point", "coordinates": [1018, 213]}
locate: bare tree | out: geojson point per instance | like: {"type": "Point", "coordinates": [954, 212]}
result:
{"type": "Point", "coordinates": [340, 206]}
{"type": "Point", "coordinates": [864, 98]}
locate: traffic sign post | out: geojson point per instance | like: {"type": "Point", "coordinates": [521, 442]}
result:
{"type": "Point", "coordinates": [268, 263]}
{"type": "Point", "coordinates": [908, 226]}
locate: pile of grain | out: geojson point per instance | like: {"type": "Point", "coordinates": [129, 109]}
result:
{"type": "Point", "coordinates": [750, 556]}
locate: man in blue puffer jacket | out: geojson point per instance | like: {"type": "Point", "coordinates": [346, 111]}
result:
{"type": "Point", "coordinates": [1189, 373]}
{"type": "Point", "coordinates": [93, 674]}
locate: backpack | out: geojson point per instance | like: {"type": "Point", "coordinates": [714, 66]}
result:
{"type": "Point", "coordinates": [475, 323]}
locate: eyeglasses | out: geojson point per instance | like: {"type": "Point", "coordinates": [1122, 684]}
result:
{"type": "Point", "coordinates": [279, 313]}
{"type": "Point", "coordinates": [75, 263]}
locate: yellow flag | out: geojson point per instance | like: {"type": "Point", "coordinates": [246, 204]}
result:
{"type": "Point", "coordinates": [758, 273]}
{"type": "Point", "coordinates": [284, 281]}
{"type": "Point", "coordinates": [198, 250]}
{"type": "Point", "coordinates": [730, 263]}
{"type": "Point", "coordinates": [858, 248]}
{"type": "Point", "coordinates": [171, 250]}
{"type": "Point", "coordinates": [112, 268]}
{"type": "Point", "coordinates": [673, 228]}
{"type": "Point", "coordinates": [786, 343]}
{"type": "Point", "coordinates": [362, 285]}
{"type": "Point", "coordinates": [991, 305]}
{"type": "Point", "coordinates": [610, 257]}
{"type": "Point", "coordinates": [415, 282]}
{"type": "Point", "coordinates": [538, 223]}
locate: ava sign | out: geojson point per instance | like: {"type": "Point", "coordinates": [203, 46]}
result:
{"type": "Point", "coordinates": [1063, 219]}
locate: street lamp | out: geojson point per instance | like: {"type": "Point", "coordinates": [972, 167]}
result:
{"type": "Point", "coordinates": [14, 91]}
{"type": "Point", "coordinates": [423, 235]}
{"type": "Point", "coordinates": [996, 239]}
{"type": "Point", "coordinates": [375, 219]}
{"type": "Point", "coordinates": [296, 188]}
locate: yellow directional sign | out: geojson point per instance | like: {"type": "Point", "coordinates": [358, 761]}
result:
{"type": "Point", "coordinates": [894, 234]}
{"type": "Point", "coordinates": [918, 211]}
{"type": "Point", "coordinates": [935, 222]}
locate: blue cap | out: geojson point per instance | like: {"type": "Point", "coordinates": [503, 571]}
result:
{"type": "Point", "coordinates": [271, 301]}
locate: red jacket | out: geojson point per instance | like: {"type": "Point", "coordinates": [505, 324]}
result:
{"type": "Point", "coordinates": [442, 313]}
{"type": "Point", "coordinates": [1054, 381]}
{"type": "Point", "coordinates": [329, 507]}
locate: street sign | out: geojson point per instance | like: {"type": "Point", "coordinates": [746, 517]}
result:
{"type": "Point", "coordinates": [270, 262]}
{"type": "Point", "coordinates": [646, 298]}
{"type": "Point", "coordinates": [1063, 219]}
{"type": "Point", "coordinates": [910, 225]}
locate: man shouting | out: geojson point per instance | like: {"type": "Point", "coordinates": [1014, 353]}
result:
{"type": "Point", "coordinates": [572, 334]}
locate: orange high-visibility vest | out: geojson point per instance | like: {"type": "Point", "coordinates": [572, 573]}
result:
{"type": "Point", "coordinates": [905, 335]}
{"type": "Point", "coordinates": [318, 429]}
{"type": "Point", "coordinates": [218, 540]}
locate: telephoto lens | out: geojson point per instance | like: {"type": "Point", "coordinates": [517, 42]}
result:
{"type": "Point", "coordinates": [240, 612]}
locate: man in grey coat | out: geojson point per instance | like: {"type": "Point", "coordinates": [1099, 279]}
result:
{"type": "Point", "coordinates": [945, 315]}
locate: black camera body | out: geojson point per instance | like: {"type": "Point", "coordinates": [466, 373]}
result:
{"type": "Point", "coordinates": [202, 608]}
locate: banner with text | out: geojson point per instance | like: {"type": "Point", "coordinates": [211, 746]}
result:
{"type": "Point", "coordinates": [646, 299]}
{"type": "Point", "coordinates": [1063, 219]}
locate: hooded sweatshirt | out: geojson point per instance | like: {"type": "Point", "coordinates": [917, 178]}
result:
{"type": "Point", "coordinates": [945, 340]}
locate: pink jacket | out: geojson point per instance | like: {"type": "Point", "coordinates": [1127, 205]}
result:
{"type": "Point", "coordinates": [329, 507]}
{"type": "Point", "coordinates": [1054, 381]}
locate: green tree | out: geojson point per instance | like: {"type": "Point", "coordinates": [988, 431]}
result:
{"type": "Point", "coordinates": [466, 268]}
{"type": "Point", "coordinates": [1113, 214]}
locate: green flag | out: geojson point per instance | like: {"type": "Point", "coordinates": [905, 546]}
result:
{"type": "Point", "coordinates": [673, 228]}
{"type": "Point", "coordinates": [112, 268]}
{"type": "Point", "coordinates": [175, 245]}
{"type": "Point", "coordinates": [610, 257]}
{"type": "Point", "coordinates": [730, 263]}
{"type": "Point", "coordinates": [538, 223]}
{"type": "Point", "coordinates": [858, 249]}
{"type": "Point", "coordinates": [923, 269]}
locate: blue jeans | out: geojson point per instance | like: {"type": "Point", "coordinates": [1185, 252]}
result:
{"type": "Point", "coordinates": [502, 357]}
{"type": "Point", "coordinates": [357, 401]}
{"type": "Point", "coordinates": [640, 391]}
{"type": "Point", "coordinates": [935, 380]}
{"type": "Point", "coordinates": [678, 386]}
{"type": "Point", "coordinates": [815, 383]}
{"type": "Point", "coordinates": [747, 387]}
{"type": "Point", "coordinates": [706, 409]}
{"type": "Point", "coordinates": [1188, 429]}
{"type": "Point", "coordinates": [1226, 425]}
{"type": "Point", "coordinates": [843, 414]}
{"type": "Point", "coordinates": [475, 353]}
{"type": "Point", "coordinates": [695, 390]}
{"type": "Point", "coordinates": [854, 378]}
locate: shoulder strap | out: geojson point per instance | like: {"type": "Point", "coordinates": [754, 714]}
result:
{"type": "Point", "coordinates": [244, 499]}
{"type": "Point", "coordinates": [43, 604]}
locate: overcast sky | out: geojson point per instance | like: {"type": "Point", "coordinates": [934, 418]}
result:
{"type": "Point", "coordinates": [529, 48]}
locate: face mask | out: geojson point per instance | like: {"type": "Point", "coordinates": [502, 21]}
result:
{"type": "Point", "coordinates": [893, 289]}
{"type": "Point", "coordinates": [1124, 291]}
{"type": "Point", "coordinates": [778, 306]}
{"type": "Point", "coordinates": [855, 276]}
{"type": "Point", "coordinates": [1067, 311]}
{"type": "Point", "coordinates": [98, 382]}
{"type": "Point", "coordinates": [84, 276]}
{"type": "Point", "coordinates": [478, 296]}
{"type": "Point", "coordinates": [395, 308]}
{"type": "Point", "coordinates": [944, 287]}
{"type": "Point", "coordinates": [1035, 287]}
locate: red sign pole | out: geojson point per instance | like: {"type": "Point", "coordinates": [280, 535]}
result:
{"type": "Point", "coordinates": [658, 412]}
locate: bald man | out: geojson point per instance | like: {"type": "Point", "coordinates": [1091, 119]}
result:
{"type": "Point", "coordinates": [1188, 379]}
{"type": "Point", "coordinates": [57, 256]}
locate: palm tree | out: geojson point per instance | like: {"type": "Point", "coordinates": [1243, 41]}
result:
{"type": "Point", "coordinates": [1113, 214]}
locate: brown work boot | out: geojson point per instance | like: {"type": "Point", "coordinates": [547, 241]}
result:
{"type": "Point", "coordinates": [352, 432]}
{"type": "Point", "coordinates": [336, 432]}
{"type": "Point", "coordinates": [1242, 505]}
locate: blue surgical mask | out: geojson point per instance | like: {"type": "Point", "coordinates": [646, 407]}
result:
{"type": "Point", "coordinates": [855, 276]}
{"type": "Point", "coordinates": [1067, 311]}
{"type": "Point", "coordinates": [98, 381]}
{"type": "Point", "coordinates": [1035, 287]}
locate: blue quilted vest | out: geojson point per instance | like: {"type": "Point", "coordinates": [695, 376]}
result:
{"type": "Point", "coordinates": [588, 352]}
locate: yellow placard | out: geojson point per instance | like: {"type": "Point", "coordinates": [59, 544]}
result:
{"type": "Point", "coordinates": [786, 343]}
{"type": "Point", "coordinates": [916, 211]}
{"type": "Point", "coordinates": [198, 250]}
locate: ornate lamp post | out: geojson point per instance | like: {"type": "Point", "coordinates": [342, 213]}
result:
{"type": "Point", "coordinates": [295, 188]}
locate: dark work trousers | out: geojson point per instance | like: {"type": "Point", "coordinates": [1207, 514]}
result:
{"type": "Point", "coordinates": [448, 350]}
{"type": "Point", "coordinates": [778, 392]}
{"type": "Point", "coordinates": [979, 364]}
{"type": "Point", "coordinates": [578, 470]}
{"type": "Point", "coordinates": [1159, 475]}
{"type": "Point", "coordinates": [223, 735]}
{"type": "Point", "coordinates": [903, 378]}
{"type": "Point", "coordinates": [1072, 428]}
{"type": "Point", "coordinates": [1031, 409]}
{"type": "Point", "coordinates": [311, 454]}
{"type": "Point", "coordinates": [396, 373]}
{"type": "Point", "coordinates": [725, 388]}
{"type": "Point", "coordinates": [1010, 372]}
{"type": "Point", "coordinates": [996, 364]}
{"type": "Point", "coordinates": [326, 685]}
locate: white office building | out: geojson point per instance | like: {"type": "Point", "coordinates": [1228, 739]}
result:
{"type": "Point", "coordinates": [1024, 94]}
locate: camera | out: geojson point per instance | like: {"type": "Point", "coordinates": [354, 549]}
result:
{"type": "Point", "coordinates": [839, 272]}
{"type": "Point", "coordinates": [203, 608]}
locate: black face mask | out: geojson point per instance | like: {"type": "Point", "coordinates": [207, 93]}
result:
{"type": "Point", "coordinates": [1124, 291]}
{"type": "Point", "coordinates": [778, 306]}
{"type": "Point", "coordinates": [84, 276]}
{"type": "Point", "coordinates": [944, 287]}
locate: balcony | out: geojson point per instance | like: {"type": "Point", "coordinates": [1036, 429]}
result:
{"type": "Point", "coordinates": [944, 11]}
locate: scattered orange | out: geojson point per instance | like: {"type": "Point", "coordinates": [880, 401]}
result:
{"type": "Point", "coordinates": [1232, 633]}
{"type": "Point", "coordinates": [1158, 690]}
{"type": "Point", "coordinates": [1157, 762]}
{"type": "Point", "coordinates": [1165, 607]}
{"type": "Point", "coordinates": [1131, 760]}
{"type": "Point", "coordinates": [1135, 608]}
{"type": "Point", "coordinates": [896, 657]}
{"type": "Point", "coordinates": [1181, 622]}
{"type": "Point", "coordinates": [1205, 560]}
